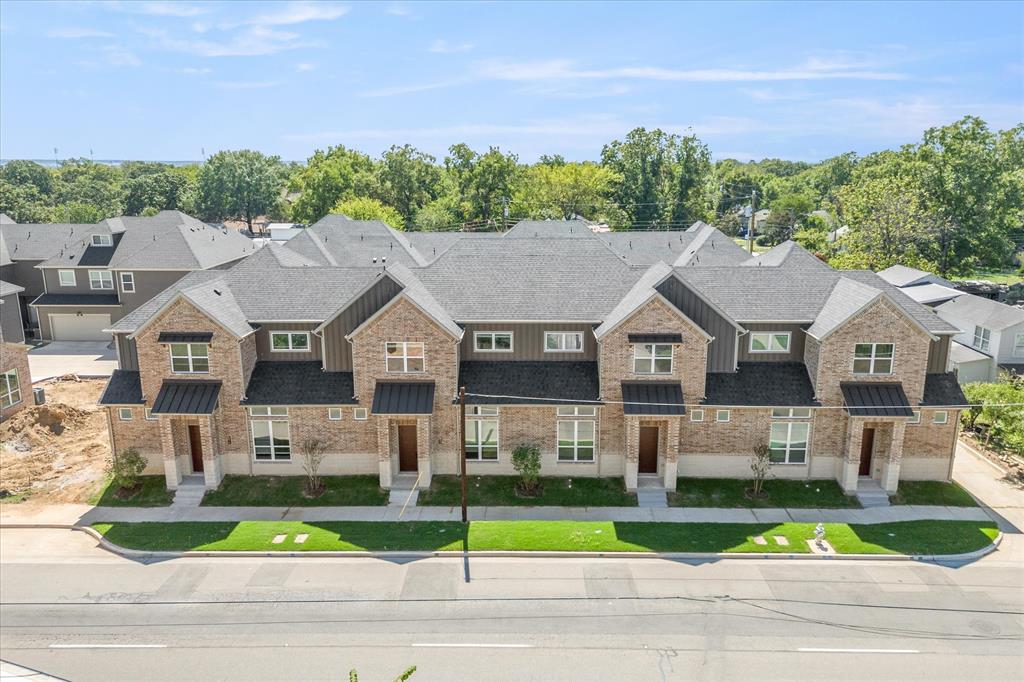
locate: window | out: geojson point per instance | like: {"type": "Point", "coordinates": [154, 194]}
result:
{"type": "Point", "coordinates": [722, 415]}
{"type": "Point", "coordinates": [788, 443]}
{"type": "Point", "coordinates": [940, 417]}
{"type": "Point", "coordinates": [769, 342]}
{"type": "Point", "coordinates": [492, 342]}
{"type": "Point", "coordinates": [563, 342]}
{"type": "Point", "coordinates": [982, 338]}
{"type": "Point", "coordinates": [791, 413]}
{"type": "Point", "coordinates": [652, 358]}
{"type": "Point", "coordinates": [101, 279]}
{"type": "Point", "coordinates": [359, 414]}
{"type": "Point", "coordinates": [482, 433]}
{"type": "Point", "coordinates": [1018, 346]}
{"type": "Point", "coordinates": [916, 418]}
{"type": "Point", "coordinates": [128, 282]}
{"type": "Point", "coordinates": [576, 438]}
{"type": "Point", "coordinates": [334, 414]}
{"type": "Point", "coordinates": [189, 358]}
{"type": "Point", "coordinates": [67, 278]}
{"type": "Point", "coordinates": [10, 390]}
{"type": "Point", "coordinates": [124, 413]}
{"type": "Point", "coordinates": [271, 438]}
{"type": "Point", "coordinates": [403, 356]}
{"type": "Point", "coordinates": [696, 415]}
{"type": "Point", "coordinates": [150, 417]}
{"type": "Point", "coordinates": [872, 358]}
{"type": "Point", "coordinates": [577, 411]}
{"type": "Point", "coordinates": [289, 342]}
{"type": "Point", "coordinates": [102, 240]}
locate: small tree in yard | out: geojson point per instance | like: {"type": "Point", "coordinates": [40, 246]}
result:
{"type": "Point", "coordinates": [760, 466]}
{"type": "Point", "coordinates": [312, 457]}
{"type": "Point", "coordinates": [526, 462]}
{"type": "Point", "coordinates": [125, 468]}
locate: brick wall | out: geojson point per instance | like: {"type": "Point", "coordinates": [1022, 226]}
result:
{"type": "Point", "coordinates": [15, 356]}
{"type": "Point", "coordinates": [139, 433]}
{"type": "Point", "coordinates": [932, 440]}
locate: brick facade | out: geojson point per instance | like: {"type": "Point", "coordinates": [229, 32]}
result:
{"type": "Point", "coordinates": [15, 356]}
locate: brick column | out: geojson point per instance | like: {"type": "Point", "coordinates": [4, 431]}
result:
{"type": "Point", "coordinates": [891, 467]}
{"type": "Point", "coordinates": [167, 445]}
{"type": "Point", "coordinates": [384, 450]}
{"type": "Point", "coordinates": [423, 448]}
{"type": "Point", "coordinates": [851, 462]}
{"type": "Point", "coordinates": [632, 451]}
{"type": "Point", "coordinates": [672, 452]}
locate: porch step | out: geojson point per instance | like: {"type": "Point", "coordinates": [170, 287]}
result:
{"type": "Point", "coordinates": [652, 481]}
{"type": "Point", "coordinates": [651, 498]}
{"type": "Point", "coordinates": [405, 497]}
{"type": "Point", "coordinates": [403, 481]}
{"type": "Point", "coordinates": [190, 492]}
{"type": "Point", "coordinates": [870, 494]}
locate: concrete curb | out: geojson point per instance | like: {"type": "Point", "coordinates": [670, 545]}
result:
{"type": "Point", "coordinates": [143, 554]}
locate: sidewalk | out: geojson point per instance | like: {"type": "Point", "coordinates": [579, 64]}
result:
{"type": "Point", "coordinates": [85, 515]}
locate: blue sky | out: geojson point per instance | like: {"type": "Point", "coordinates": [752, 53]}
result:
{"type": "Point", "coordinates": [165, 80]}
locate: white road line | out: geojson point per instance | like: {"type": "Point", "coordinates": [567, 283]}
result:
{"type": "Point", "coordinates": [857, 651]}
{"type": "Point", "coordinates": [473, 645]}
{"type": "Point", "coordinates": [108, 646]}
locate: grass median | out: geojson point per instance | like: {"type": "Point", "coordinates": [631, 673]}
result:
{"type": "Point", "coordinates": [558, 491]}
{"type": "Point", "coordinates": [907, 537]}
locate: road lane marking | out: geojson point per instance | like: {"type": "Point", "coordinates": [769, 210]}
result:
{"type": "Point", "coordinates": [857, 651]}
{"type": "Point", "coordinates": [108, 646]}
{"type": "Point", "coordinates": [475, 645]}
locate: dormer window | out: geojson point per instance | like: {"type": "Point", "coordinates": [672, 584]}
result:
{"type": "Point", "coordinates": [190, 358]}
{"type": "Point", "coordinates": [289, 342]}
{"type": "Point", "coordinates": [769, 342]}
{"type": "Point", "coordinates": [652, 358]}
{"type": "Point", "coordinates": [102, 240]}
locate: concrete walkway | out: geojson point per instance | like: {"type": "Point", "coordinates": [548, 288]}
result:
{"type": "Point", "coordinates": [1003, 500]}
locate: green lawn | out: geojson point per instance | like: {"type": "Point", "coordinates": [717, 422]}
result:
{"type": "Point", "coordinates": [910, 537]}
{"type": "Point", "coordinates": [492, 491]}
{"type": "Point", "coordinates": [728, 492]}
{"type": "Point", "coordinates": [286, 491]}
{"type": "Point", "coordinates": [154, 493]}
{"type": "Point", "coordinates": [998, 276]}
{"type": "Point", "coordinates": [932, 492]}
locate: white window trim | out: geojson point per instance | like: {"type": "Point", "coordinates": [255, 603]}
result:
{"type": "Point", "coordinates": [575, 442]}
{"type": "Point", "coordinates": [270, 421]}
{"type": "Point", "coordinates": [492, 349]}
{"type": "Point", "coordinates": [128, 286]}
{"type": "Point", "coordinates": [1018, 346]}
{"type": "Point", "coordinates": [104, 240]}
{"type": "Point", "coordinates": [915, 419]}
{"type": "Point", "coordinates": [574, 411]}
{"type": "Point", "coordinates": [360, 411]}
{"type": "Point", "coordinates": [334, 410]}
{"type": "Point", "coordinates": [60, 278]}
{"type": "Point", "coordinates": [945, 417]}
{"type": "Point", "coordinates": [257, 411]}
{"type": "Point", "coordinates": [789, 413]}
{"type": "Point", "coordinates": [718, 416]}
{"type": "Point", "coordinates": [789, 443]}
{"type": "Point", "coordinates": [563, 346]}
{"type": "Point", "coordinates": [478, 418]}
{"type": "Point", "coordinates": [771, 337]}
{"type": "Point", "coordinates": [696, 415]}
{"type": "Point", "coordinates": [148, 414]}
{"type": "Point", "coordinates": [290, 348]}
{"type": "Point", "coordinates": [873, 358]}
{"type": "Point", "coordinates": [11, 388]}
{"type": "Point", "coordinates": [654, 357]}
{"type": "Point", "coordinates": [100, 279]}
{"type": "Point", "coordinates": [122, 411]}
{"type": "Point", "coordinates": [981, 341]}
{"type": "Point", "coordinates": [191, 358]}
{"type": "Point", "coordinates": [405, 357]}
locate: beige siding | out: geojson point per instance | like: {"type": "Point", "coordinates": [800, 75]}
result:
{"type": "Point", "coordinates": [528, 341]}
{"type": "Point", "coordinates": [24, 273]}
{"type": "Point", "coordinates": [148, 283]}
{"type": "Point", "coordinates": [264, 349]}
{"type": "Point", "coordinates": [938, 355]}
{"type": "Point", "coordinates": [796, 345]}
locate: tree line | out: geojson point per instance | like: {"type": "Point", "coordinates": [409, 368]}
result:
{"type": "Point", "coordinates": [951, 203]}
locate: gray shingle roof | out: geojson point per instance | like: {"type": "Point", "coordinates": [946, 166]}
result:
{"type": "Point", "coordinates": [173, 240]}
{"type": "Point", "coordinates": [538, 382]}
{"type": "Point", "coordinates": [901, 275]}
{"type": "Point", "coordinates": [761, 384]}
{"type": "Point", "coordinates": [123, 388]}
{"type": "Point", "coordinates": [413, 288]}
{"type": "Point", "coordinates": [77, 299]}
{"type": "Point", "coordinates": [547, 229]}
{"type": "Point", "coordinates": [641, 291]}
{"type": "Point", "coordinates": [336, 240]}
{"type": "Point", "coordinates": [943, 390]}
{"type": "Point", "coordinates": [981, 311]}
{"type": "Point", "coordinates": [846, 300]}
{"type": "Point", "coordinates": [41, 241]}
{"type": "Point", "coordinates": [6, 288]}
{"type": "Point", "coordinates": [298, 383]}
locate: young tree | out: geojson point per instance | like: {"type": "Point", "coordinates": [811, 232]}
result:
{"type": "Point", "coordinates": [526, 462]}
{"type": "Point", "coordinates": [312, 452]}
{"type": "Point", "coordinates": [125, 468]}
{"type": "Point", "coordinates": [239, 184]}
{"type": "Point", "coordinates": [760, 467]}
{"type": "Point", "coordinates": [364, 208]}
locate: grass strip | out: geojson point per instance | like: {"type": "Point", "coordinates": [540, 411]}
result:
{"type": "Point", "coordinates": [932, 493]}
{"type": "Point", "coordinates": [782, 493]}
{"type": "Point", "coordinates": [560, 491]}
{"type": "Point", "coordinates": [152, 492]}
{"type": "Point", "coordinates": [287, 491]}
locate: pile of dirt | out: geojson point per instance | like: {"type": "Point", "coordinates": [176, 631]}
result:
{"type": "Point", "coordinates": [40, 424]}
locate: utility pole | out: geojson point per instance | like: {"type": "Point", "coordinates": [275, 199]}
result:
{"type": "Point", "coordinates": [750, 229]}
{"type": "Point", "coordinates": [462, 447]}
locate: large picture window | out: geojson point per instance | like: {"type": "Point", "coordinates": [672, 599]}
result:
{"type": "Point", "coordinates": [769, 342]}
{"type": "Point", "coordinates": [652, 358]}
{"type": "Point", "coordinates": [788, 442]}
{"type": "Point", "coordinates": [10, 389]}
{"type": "Point", "coordinates": [271, 435]}
{"type": "Point", "coordinates": [404, 356]}
{"type": "Point", "coordinates": [492, 342]}
{"type": "Point", "coordinates": [190, 358]}
{"type": "Point", "coordinates": [872, 358]}
{"type": "Point", "coordinates": [576, 437]}
{"type": "Point", "coordinates": [289, 342]}
{"type": "Point", "coordinates": [563, 342]}
{"type": "Point", "coordinates": [482, 433]}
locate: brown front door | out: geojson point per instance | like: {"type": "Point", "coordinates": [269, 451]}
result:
{"type": "Point", "coordinates": [867, 445]}
{"type": "Point", "coordinates": [407, 447]}
{"type": "Point", "coordinates": [648, 450]}
{"type": "Point", "coordinates": [195, 444]}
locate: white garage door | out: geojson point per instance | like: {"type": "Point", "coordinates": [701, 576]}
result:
{"type": "Point", "coordinates": [80, 327]}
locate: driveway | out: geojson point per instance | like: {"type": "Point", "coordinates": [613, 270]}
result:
{"type": "Point", "coordinates": [986, 481]}
{"type": "Point", "coordinates": [84, 358]}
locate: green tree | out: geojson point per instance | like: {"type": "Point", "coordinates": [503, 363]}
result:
{"type": "Point", "coordinates": [21, 172]}
{"type": "Point", "coordinates": [409, 180]}
{"type": "Point", "coordinates": [82, 182]}
{"type": "Point", "coordinates": [789, 213]}
{"type": "Point", "coordinates": [330, 177]}
{"type": "Point", "coordinates": [365, 208]}
{"type": "Point", "coordinates": [240, 184]}
{"type": "Point", "coordinates": [642, 163]}
{"type": "Point", "coordinates": [690, 194]}
{"type": "Point", "coordinates": [561, 191]}
{"type": "Point", "coordinates": [438, 216]}
{"type": "Point", "coordinates": [23, 203]}
{"type": "Point", "coordinates": [170, 190]}
{"type": "Point", "coordinates": [484, 182]}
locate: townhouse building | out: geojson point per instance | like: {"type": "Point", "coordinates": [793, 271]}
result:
{"type": "Point", "coordinates": [646, 356]}
{"type": "Point", "coordinates": [15, 377]}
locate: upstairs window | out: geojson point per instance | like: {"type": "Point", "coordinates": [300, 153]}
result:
{"type": "Point", "coordinates": [652, 358]}
{"type": "Point", "coordinates": [482, 433]}
{"type": "Point", "coordinates": [128, 282]}
{"type": "Point", "coordinates": [872, 358]}
{"type": "Point", "coordinates": [1018, 346]}
{"type": "Point", "coordinates": [770, 342]}
{"type": "Point", "coordinates": [66, 278]}
{"type": "Point", "coordinates": [791, 413]}
{"type": "Point", "coordinates": [190, 358]}
{"type": "Point", "coordinates": [102, 240]}
{"type": "Point", "coordinates": [492, 342]}
{"type": "Point", "coordinates": [982, 338]}
{"type": "Point", "coordinates": [563, 342]}
{"type": "Point", "coordinates": [101, 279]}
{"type": "Point", "coordinates": [289, 342]}
{"type": "Point", "coordinates": [404, 356]}
{"type": "Point", "coordinates": [10, 389]}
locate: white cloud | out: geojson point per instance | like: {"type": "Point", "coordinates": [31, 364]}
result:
{"type": "Point", "coordinates": [441, 46]}
{"type": "Point", "coordinates": [247, 85]}
{"type": "Point", "coordinates": [116, 55]}
{"type": "Point", "coordinates": [158, 9]}
{"type": "Point", "coordinates": [305, 66]}
{"type": "Point", "coordinates": [75, 32]}
{"type": "Point", "coordinates": [249, 42]}
{"type": "Point", "coordinates": [409, 89]}
{"type": "Point", "coordinates": [297, 13]}
{"type": "Point", "coordinates": [399, 9]}
{"type": "Point", "coordinates": [194, 71]}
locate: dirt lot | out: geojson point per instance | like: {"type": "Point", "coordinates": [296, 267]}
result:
{"type": "Point", "coordinates": [57, 452]}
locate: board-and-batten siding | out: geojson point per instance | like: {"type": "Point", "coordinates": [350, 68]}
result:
{"type": "Point", "coordinates": [721, 351]}
{"type": "Point", "coordinates": [337, 349]}
{"type": "Point", "coordinates": [127, 356]}
{"type": "Point", "coordinates": [796, 343]}
{"type": "Point", "coordinates": [938, 355]}
{"type": "Point", "coordinates": [264, 349]}
{"type": "Point", "coordinates": [528, 341]}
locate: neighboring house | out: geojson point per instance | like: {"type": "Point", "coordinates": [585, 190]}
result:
{"type": "Point", "coordinates": [15, 377]}
{"type": "Point", "coordinates": [674, 355]}
{"type": "Point", "coordinates": [989, 329]}
{"type": "Point", "coordinates": [902, 276]}
{"type": "Point", "coordinates": [93, 277]}
{"type": "Point", "coordinates": [282, 232]}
